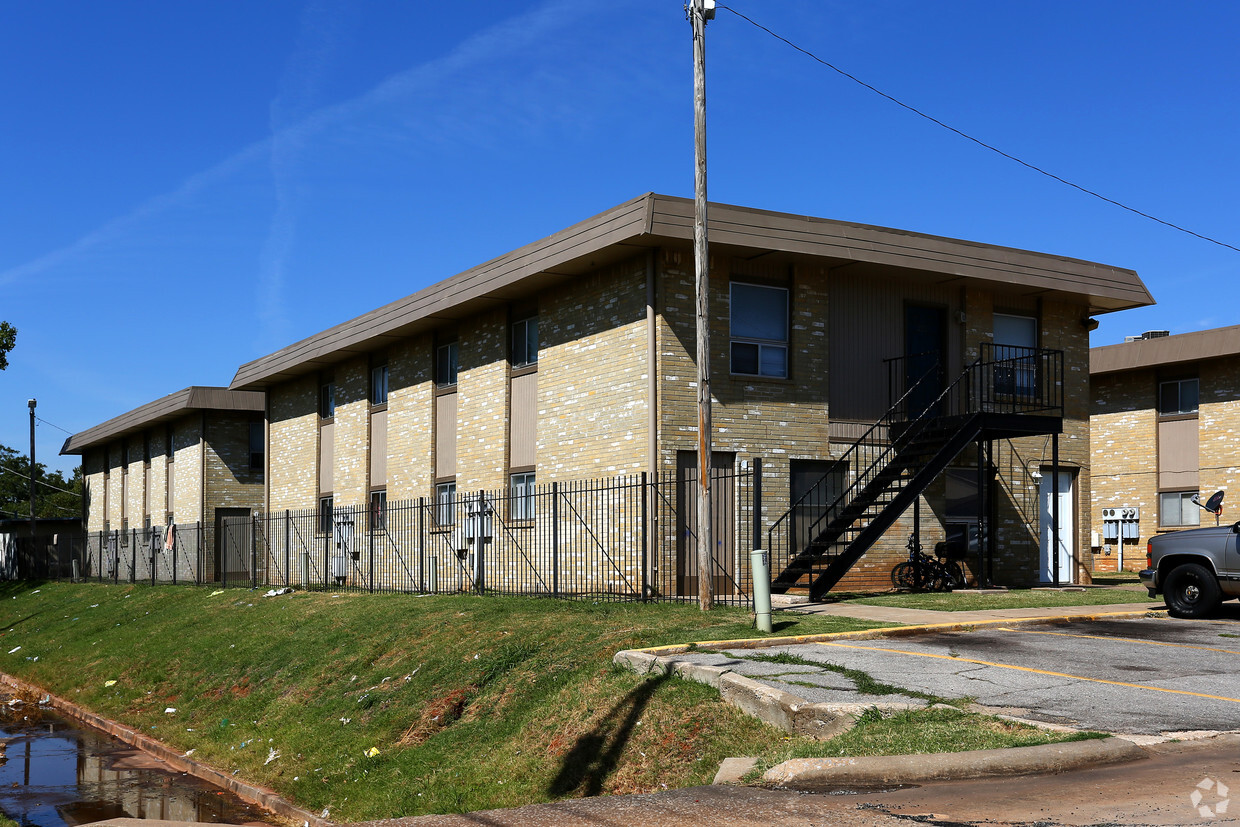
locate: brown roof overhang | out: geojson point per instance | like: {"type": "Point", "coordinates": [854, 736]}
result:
{"type": "Point", "coordinates": [165, 409]}
{"type": "Point", "coordinates": [1165, 350]}
{"type": "Point", "coordinates": [652, 221]}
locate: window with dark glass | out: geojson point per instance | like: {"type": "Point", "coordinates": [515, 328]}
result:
{"type": "Point", "coordinates": [378, 510]}
{"type": "Point", "coordinates": [325, 515]}
{"type": "Point", "coordinates": [759, 328]}
{"type": "Point", "coordinates": [525, 342]}
{"type": "Point", "coordinates": [446, 364]}
{"type": "Point", "coordinates": [256, 446]}
{"type": "Point", "coordinates": [327, 400]}
{"type": "Point", "coordinates": [1178, 396]}
{"type": "Point", "coordinates": [379, 384]}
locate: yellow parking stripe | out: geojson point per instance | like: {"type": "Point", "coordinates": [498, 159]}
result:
{"type": "Point", "coordinates": [1126, 639]}
{"type": "Point", "coordinates": [1029, 669]}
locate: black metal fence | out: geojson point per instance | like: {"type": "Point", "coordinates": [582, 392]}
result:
{"type": "Point", "coordinates": [624, 538]}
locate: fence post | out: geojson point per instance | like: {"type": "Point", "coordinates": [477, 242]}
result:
{"type": "Point", "coordinates": [133, 555]}
{"type": "Point", "coordinates": [288, 560]}
{"type": "Point", "coordinates": [175, 542]}
{"type": "Point", "coordinates": [555, 539]}
{"type": "Point", "coordinates": [645, 495]}
{"type": "Point", "coordinates": [370, 534]}
{"type": "Point", "coordinates": [198, 551]}
{"type": "Point", "coordinates": [254, 552]}
{"type": "Point", "coordinates": [154, 550]}
{"type": "Point", "coordinates": [422, 580]}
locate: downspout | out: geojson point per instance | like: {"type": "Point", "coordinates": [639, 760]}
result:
{"type": "Point", "coordinates": [652, 415]}
{"type": "Point", "coordinates": [652, 382]}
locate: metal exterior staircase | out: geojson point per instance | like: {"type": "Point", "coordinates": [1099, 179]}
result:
{"type": "Point", "coordinates": [1007, 392]}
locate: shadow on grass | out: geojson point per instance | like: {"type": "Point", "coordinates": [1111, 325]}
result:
{"type": "Point", "coordinates": [597, 753]}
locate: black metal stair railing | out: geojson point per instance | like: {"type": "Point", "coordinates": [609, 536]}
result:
{"type": "Point", "coordinates": [828, 528]}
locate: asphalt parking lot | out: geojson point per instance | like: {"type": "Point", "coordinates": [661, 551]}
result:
{"type": "Point", "coordinates": [1140, 676]}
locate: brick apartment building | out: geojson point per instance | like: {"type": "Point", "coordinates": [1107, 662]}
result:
{"type": "Point", "coordinates": [191, 458]}
{"type": "Point", "coordinates": [1165, 411]}
{"type": "Point", "coordinates": [572, 359]}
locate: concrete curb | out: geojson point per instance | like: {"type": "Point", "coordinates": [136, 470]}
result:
{"type": "Point", "coordinates": [251, 793]}
{"type": "Point", "coordinates": [813, 773]}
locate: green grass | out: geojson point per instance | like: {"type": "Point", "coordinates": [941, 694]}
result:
{"type": "Point", "coordinates": [1014, 599]}
{"type": "Point", "coordinates": [471, 703]}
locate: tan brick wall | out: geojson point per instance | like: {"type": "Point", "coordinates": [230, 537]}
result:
{"type": "Point", "coordinates": [410, 468]}
{"type": "Point", "coordinates": [593, 403]}
{"type": "Point", "coordinates": [230, 481]}
{"type": "Point", "coordinates": [1219, 423]}
{"type": "Point", "coordinates": [351, 449]}
{"type": "Point", "coordinates": [1124, 429]}
{"type": "Point", "coordinates": [482, 403]}
{"type": "Point", "coordinates": [94, 462]}
{"type": "Point", "coordinates": [293, 445]}
{"type": "Point", "coordinates": [187, 469]}
{"type": "Point", "coordinates": [1124, 459]}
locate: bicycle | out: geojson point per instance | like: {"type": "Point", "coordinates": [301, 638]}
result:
{"type": "Point", "coordinates": [923, 572]}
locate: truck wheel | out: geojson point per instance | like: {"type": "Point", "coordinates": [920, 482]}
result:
{"type": "Point", "coordinates": [1191, 591]}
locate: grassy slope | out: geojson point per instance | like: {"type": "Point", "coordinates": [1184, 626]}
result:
{"type": "Point", "coordinates": [471, 702]}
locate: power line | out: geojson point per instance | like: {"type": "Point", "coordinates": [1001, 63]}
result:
{"type": "Point", "coordinates": [57, 427]}
{"type": "Point", "coordinates": [977, 141]}
{"type": "Point", "coordinates": [40, 482]}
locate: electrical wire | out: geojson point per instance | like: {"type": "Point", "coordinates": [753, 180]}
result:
{"type": "Point", "coordinates": [54, 425]}
{"type": "Point", "coordinates": [39, 482]}
{"type": "Point", "coordinates": [977, 141]}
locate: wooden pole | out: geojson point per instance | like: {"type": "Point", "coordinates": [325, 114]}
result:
{"type": "Point", "coordinates": [701, 261]}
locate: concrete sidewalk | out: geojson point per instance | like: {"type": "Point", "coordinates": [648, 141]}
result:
{"type": "Point", "coordinates": [930, 617]}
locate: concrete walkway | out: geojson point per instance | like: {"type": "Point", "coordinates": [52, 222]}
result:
{"type": "Point", "coordinates": [929, 617]}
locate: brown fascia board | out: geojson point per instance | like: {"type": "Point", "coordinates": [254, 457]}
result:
{"type": "Point", "coordinates": [163, 410]}
{"type": "Point", "coordinates": [653, 220]}
{"type": "Point", "coordinates": [1165, 350]}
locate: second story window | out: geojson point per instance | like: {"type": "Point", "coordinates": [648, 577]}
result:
{"type": "Point", "coordinates": [327, 400]}
{"type": "Point", "coordinates": [525, 342]}
{"type": "Point", "coordinates": [446, 364]}
{"type": "Point", "coordinates": [759, 330]}
{"type": "Point", "coordinates": [256, 446]}
{"type": "Point", "coordinates": [1177, 397]}
{"type": "Point", "coordinates": [379, 384]}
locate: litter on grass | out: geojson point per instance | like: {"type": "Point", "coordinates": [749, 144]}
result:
{"type": "Point", "coordinates": [372, 752]}
{"type": "Point", "coordinates": [278, 592]}
{"type": "Point", "coordinates": [109, 683]}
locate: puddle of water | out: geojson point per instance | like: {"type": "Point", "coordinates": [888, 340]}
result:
{"type": "Point", "coordinates": [54, 774]}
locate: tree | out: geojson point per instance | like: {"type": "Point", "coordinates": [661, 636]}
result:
{"type": "Point", "coordinates": [55, 496]}
{"type": "Point", "coordinates": [8, 338]}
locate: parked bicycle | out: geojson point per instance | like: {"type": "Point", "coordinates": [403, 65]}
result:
{"type": "Point", "coordinates": [921, 572]}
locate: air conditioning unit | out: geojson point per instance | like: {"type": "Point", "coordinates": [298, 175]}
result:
{"type": "Point", "coordinates": [340, 568]}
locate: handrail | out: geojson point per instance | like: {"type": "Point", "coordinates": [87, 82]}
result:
{"type": "Point", "coordinates": [1002, 379]}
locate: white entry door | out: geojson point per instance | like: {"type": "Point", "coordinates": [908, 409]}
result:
{"type": "Point", "coordinates": [1066, 533]}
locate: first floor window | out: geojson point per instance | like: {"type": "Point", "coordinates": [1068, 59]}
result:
{"type": "Point", "coordinates": [325, 515]}
{"type": "Point", "coordinates": [445, 503]}
{"type": "Point", "coordinates": [1178, 508]}
{"type": "Point", "coordinates": [521, 505]}
{"type": "Point", "coordinates": [378, 510]}
{"type": "Point", "coordinates": [759, 329]}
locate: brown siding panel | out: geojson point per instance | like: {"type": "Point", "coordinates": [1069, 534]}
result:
{"type": "Point", "coordinates": [1177, 454]}
{"type": "Point", "coordinates": [524, 420]}
{"type": "Point", "coordinates": [378, 449]}
{"type": "Point", "coordinates": [445, 435]}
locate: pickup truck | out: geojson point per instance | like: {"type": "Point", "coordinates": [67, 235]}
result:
{"type": "Point", "coordinates": [1195, 569]}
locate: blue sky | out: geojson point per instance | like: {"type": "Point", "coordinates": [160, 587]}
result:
{"type": "Point", "coordinates": [191, 185]}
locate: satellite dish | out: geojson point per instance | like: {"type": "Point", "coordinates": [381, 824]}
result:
{"type": "Point", "coordinates": [1215, 504]}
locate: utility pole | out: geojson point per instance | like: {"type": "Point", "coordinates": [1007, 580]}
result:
{"type": "Point", "coordinates": [699, 12]}
{"type": "Point", "coordinates": [32, 403]}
